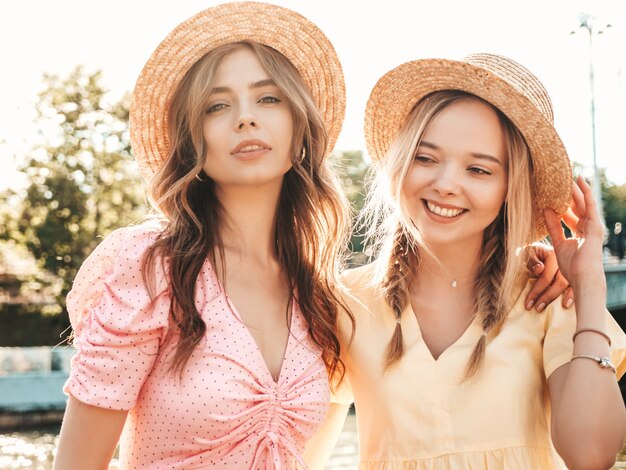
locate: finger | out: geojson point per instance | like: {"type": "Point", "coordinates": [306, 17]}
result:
{"type": "Point", "coordinates": [537, 252]}
{"type": "Point", "coordinates": [534, 265]}
{"type": "Point", "coordinates": [553, 224]}
{"type": "Point", "coordinates": [591, 225]}
{"type": "Point", "coordinates": [543, 282]}
{"type": "Point", "coordinates": [591, 211]}
{"type": "Point", "coordinates": [578, 202]}
{"type": "Point", "coordinates": [568, 298]}
{"type": "Point", "coordinates": [551, 293]}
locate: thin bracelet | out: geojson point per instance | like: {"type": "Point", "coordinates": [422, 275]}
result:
{"type": "Point", "coordinates": [603, 361]}
{"type": "Point", "coordinates": [601, 333]}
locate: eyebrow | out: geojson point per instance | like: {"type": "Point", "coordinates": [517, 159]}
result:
{"type": "Point", "coordinates": [482, 156]}
{"type": "Point", "coordinates": [259, 84]}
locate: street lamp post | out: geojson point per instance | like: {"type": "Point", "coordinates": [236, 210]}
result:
{"type": "Point", "coordinates": [587, 23]}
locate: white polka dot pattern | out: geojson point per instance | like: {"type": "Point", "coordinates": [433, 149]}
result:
{"type": "Point", "coordinates": [226, 412]}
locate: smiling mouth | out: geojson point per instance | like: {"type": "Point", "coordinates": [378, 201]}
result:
{"type": "Point", "coordinates": [447, 212]}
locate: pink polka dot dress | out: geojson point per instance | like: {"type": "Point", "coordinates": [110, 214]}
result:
{"type": "Point", "coordinates": [226, 412]}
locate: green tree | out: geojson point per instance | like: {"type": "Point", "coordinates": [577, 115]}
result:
{"type": "Point", "coordinates": [353, 169]}
{"type": "Point", "coordinates": [614, 201]}
{"type": "Point", "coordinates": [11, 207]}
{"type": "Point", "coordinates": [83, 182]}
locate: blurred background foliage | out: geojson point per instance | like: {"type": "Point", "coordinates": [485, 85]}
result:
{"type": "Point", "coordinates": [81, 184]}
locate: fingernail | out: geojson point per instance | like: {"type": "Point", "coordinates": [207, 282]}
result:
{"type": "Point", "coordinates": [530, 304]}
{"type": "Point", "coordinates": [541, 306]}
{"type": "Point", "coordinates": [538, 266]}
{"type": "Point", "coordinates": [569, 302]}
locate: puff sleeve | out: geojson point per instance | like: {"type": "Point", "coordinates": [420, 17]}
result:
{"type": "Point", "coordinates": [118, 326]}
{"type": "Point", "coordinates": [558, 346]}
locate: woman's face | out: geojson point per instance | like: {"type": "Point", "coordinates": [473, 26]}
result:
{"type": "Point", "coordinates": [248, 125]}
{"type": "Point", "coordinates": [458, 180]}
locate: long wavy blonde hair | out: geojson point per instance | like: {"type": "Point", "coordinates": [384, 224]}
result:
{"type": "Point", "coordinates": [311, 224]}
{"type": "Point", "coordinates": [396, 239]}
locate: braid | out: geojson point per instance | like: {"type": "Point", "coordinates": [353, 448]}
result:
{"type": "Point", "coordinates": [489, 286]}
{"type": "Point", "coordinates": [394, 288]}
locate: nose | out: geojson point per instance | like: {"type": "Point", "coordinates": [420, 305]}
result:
{"type": "Point", "coordinates": [245, 120]}
{"type": "Point", "coordinates": [446, 181]}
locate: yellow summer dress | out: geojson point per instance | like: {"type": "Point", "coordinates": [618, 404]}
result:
{"type": "Point", "coordinates": [420, 414]}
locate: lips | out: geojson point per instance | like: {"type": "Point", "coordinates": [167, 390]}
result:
{"type": "Point", "coordinates": [449, 212]}
{"type": "Point", "coordinates": [250, 147]}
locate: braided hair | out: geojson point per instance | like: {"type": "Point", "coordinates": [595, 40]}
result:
{"type": "Point", "coordinates": [399, 269]}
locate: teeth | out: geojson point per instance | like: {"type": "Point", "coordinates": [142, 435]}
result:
{"type": "Point", "coordinates": [251, 148]}
{"type": "Point", "coordinates": [442, 211]}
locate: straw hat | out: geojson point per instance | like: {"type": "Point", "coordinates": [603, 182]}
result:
{"type": "Point", "coordinates": [286, 31]}
{"type": "Point", "coordinates": [502, 82]}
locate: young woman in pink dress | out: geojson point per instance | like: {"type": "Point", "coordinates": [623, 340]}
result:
{"type": "Point", "coordinates": [446, 369]}
{"type": "Point", "coordinates": [208, 335]}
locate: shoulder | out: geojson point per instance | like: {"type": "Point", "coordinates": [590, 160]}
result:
{"type": "Point", "coordinates": [140, 237]}
{"type": "Point", "coordinates": [360, 278]}
{"type": "Point", "coordinates": [124, 249]}
{"type": "Point", "coordinates": [517, 298]}
{"type": "Point", "coordinates": [118, 258]}
{"type": "Point", "coordinates": [131, 238]}
{"type": "Point", "coordinates": [361, 287]}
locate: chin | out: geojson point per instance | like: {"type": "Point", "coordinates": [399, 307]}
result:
{"type": "Point", "coordinates": [449, 238]}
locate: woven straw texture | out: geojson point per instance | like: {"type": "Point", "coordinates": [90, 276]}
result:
{"type": "Point", "coordinates": [502, 82]}
{"type": "Point", "coordinates": [288, 32]}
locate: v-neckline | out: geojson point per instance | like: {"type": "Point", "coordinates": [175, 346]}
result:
{"type": "Point", "coordinates": [253, 341]}
{"type": "Point", "coordinates": [259, 356]}
{"type": "Point", "coordinates": [470, 327]}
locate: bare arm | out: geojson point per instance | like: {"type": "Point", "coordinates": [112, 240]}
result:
{"type": "Point", "coordinates": [588, 415]}
{"type": "Point", "coordinates": [88, 437]}
{"type": "Point", "coordinates": [321, 445]}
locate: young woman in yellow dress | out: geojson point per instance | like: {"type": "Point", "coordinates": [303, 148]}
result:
{"type": "Point", "coordinates": [446, 369]}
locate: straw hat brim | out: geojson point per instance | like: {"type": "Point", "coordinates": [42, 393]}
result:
{"type": "Point", "coordinates": [398, 91]}
{"type": "Point", "coordinates": [284, 30]}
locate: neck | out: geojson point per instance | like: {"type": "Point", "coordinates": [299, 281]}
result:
{"type": "Point", "coordinates": [449, 266]}
{"type": "Point", "coordinates": [249, 228]}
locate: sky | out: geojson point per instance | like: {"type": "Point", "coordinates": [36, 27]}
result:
{"type": "Point", "coordinates": [371, 37]}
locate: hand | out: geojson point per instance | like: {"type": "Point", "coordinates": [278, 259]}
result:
{"type": "Point", "coordinates": [550, 282]}
{"type": "Point", "coordinates": [579, 257]}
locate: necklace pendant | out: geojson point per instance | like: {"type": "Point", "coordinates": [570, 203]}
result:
{"type": "Point", "coordinates": [453, 283]}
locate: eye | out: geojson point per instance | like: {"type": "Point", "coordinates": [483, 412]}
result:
{"type": "Point", "coordinates": [479, 171]}
{"type": "Point", "coordinates": [269, 99]}
{"type": "Point", "coordinates": [214, 108]}
{"type": "Point", "coordinates": [424, 159]}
